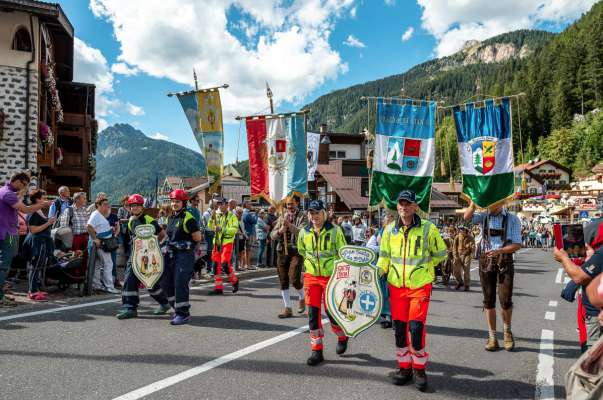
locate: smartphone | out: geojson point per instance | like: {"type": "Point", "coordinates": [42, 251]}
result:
{"type": "Point", "coordinates": [570, 237]}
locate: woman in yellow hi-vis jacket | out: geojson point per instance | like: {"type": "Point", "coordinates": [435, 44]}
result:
{"type": "Point", "coordinates": [410, 249]}
{"type": "Point", "coordinates": [319, 244]}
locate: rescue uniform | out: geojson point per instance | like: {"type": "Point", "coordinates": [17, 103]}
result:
{"type": "Point", "coordinates": [129, 295]}
{"type": "Point", "coordinates": [408, 256]}
{"type": "Point", "coordinates": [179, 260]}
{"type": "Point", "coordinates": [221, 254]}
{"type": "Point", "coordinates": [463, 247]}
{"type": "Point", "coordinates": [319, 252]}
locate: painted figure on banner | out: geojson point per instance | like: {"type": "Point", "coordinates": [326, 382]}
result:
{"type": "Point", "coordinates": [147, 251]}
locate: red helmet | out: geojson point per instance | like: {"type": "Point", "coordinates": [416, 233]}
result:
{"type": "Point", "coordinates": [135, 199]}
{"type": "Point", "coordinates": [179, 194]}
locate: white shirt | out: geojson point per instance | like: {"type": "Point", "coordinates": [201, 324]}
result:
{"type": "Point", "coordinates": [99, 222]}
{"type": "Point", "coordinates": [358, 233]}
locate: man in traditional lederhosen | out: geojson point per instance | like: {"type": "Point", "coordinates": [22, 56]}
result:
{"type": "Point", "coordinates": [288, 261]}
{"type": "Point", "coordinates": [501, 237]}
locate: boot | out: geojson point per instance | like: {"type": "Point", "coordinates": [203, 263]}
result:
{"type": "Point", "coordinates": [508, 341]}
{"type": "Point", "coordinates": [235, 286]}
{"type": "Point", "coordinates": [386, 322]}
{"type": "Point", "coordinates": [401, 376]}
{"type": "Point", "coordinates": [315, 358]}
{"type": "Point", "coordinates": [162, 309]}
{"type": "Point", "coordinates": [467, 288]}
{"type": "Point", "coordinates": [420, 380]}
{"type": "Point", "coordinates": [287, 313]}
{"type": "Point", "coordinates": [302, 306]}
{"type": "Point", "coordinates": [127, 313]}
{"type": "Point", "coordinates": [342, 346]}
{"type": "Point", "coordinates": [216, 292]}
{"type": "Point", "coordinates": [492, 344]}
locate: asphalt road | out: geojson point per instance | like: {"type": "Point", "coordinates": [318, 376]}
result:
{"type": "Point", "coordinates": [236, 347]}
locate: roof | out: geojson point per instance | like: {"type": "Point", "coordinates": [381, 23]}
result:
{"type": "Point", "coordinates": [349, 194]}
{"type": "Point", "coordinates": [230, 170]}
{"type": "Point", "coordinates": [529, 166]}
{"type": "Point", "coordinates": [444, 187]}
{"type": "Point", "coordinates": [193, 181]}
{"type": "Point", "coordinates": [439, 200]}
{"type": "Point", "coordinates": [598, 169]}
{"type": "Point", "coordinates": [44, 10]}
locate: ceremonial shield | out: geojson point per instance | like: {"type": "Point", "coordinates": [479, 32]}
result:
{"type": "Point", "coordinates": [353, 296]}
{"type": "Point", "coordinates": [146, 258]}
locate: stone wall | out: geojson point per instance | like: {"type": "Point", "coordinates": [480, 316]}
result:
{"type": "Point", "coordinates": [13, 104]}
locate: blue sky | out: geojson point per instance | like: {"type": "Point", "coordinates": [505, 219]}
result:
{"type": "Point", "coordinates": [137, 51]}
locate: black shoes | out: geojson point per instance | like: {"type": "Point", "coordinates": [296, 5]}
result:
{"type": "Point", "coordinates": [316, 358]}
{"type": "Point", "coordinates": [401, 376]}
{"type": "Point", "coordinates": [342, 346]}
{"type": "Point", "coordinates": [216, 292]}
{"type": "Point", "coordinates": [420, 380]}
{"type": "Point", "coordinates": [386, 323]}
{"type": "Point", "coordinates": [235, 286]}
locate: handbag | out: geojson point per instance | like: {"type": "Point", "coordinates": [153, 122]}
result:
{"type": "Point", "coordinates": [109, 244]}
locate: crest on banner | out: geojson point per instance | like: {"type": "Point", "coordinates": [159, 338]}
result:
{"type": "Point", "coordinates": [146, 258]}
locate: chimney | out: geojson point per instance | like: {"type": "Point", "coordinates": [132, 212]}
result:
{"type": "Point", "coordinates": [323, 147]}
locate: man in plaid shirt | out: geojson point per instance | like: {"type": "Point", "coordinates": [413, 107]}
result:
{"type": "Point", "coordinates": [76, 217]}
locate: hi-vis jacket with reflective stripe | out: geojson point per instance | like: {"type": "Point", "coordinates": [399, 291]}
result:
{"type": "Point", "coordinates": [320, 251]}
{"type": "Point", "coordinates": [408, 255]}
{"type": "Point", "coordinates": [229, 225]}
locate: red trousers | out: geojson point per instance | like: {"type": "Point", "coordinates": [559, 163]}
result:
{"type": "Point", "coordinates": [314, 290]}
{"type": "Point", "coordinates": [409, 311]}
{"type": "Point", "coordinates": [221, 260]}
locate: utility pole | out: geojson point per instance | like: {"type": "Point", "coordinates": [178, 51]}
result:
{"type": "Point", "coordinates": [269, 95]}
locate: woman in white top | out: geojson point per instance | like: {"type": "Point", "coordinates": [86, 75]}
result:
{"type": "Point", "coordinates": [98, 229]}
{"type": "Point", "coordinates": [358, 232]}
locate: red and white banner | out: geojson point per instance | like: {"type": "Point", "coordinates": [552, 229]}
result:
{"type": "Point", "coordinates": [277, 157]}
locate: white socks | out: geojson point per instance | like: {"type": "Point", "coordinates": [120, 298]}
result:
{"type": "Point", "coordinates": [286, 298]}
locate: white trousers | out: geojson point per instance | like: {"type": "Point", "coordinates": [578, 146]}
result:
{"type": "Point", "coordinates": [103, 270]}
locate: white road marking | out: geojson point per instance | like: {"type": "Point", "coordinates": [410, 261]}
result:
{"type": "Point", "coordinates": [545, 382]}
{"type": "Point", "coordinates": [189, 373]}
{"type": "Point", "coordinates": [566, 280]}
{"type": "Point", "coordinates": [553, 303]}
{"type": "Point", "coordinates": [101, 302]}
{"type": "Point", "coordinates": [559, 275]}
{"type": "Point", "coordinates": [549, 315]}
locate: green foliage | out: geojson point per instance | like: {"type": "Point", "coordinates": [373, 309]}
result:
{"type": "Point", "coordinates": [579, 147]}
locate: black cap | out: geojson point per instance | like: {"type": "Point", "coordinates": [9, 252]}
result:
{"type": "Point", "coordinates": [316, 205]}
{"type": "Point", "coordinates": [219, 200]}
{"type": "Point", "coordinates": [407, 195]}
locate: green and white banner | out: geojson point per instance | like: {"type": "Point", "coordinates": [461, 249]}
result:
{"type": "Point", "coordinates": [486, 151]}
{"type": "Point", "coordinates": [404, 155]}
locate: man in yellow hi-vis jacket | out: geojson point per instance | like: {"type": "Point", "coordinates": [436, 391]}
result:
{"type": "Point", "coordinates": [225, 225]}
{"type": "Point", "coordinates": [410, 249]}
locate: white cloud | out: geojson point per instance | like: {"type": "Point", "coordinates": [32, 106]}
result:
{"type": "Point", "coordinates": [408, 34]}
{"type": "Point", "coordinates": [159, 136]}
{"type": "Point", "coordinates": [123, 69]}
{"type": "Point", "coordinates": [284, 43]}
{"type": "Point", "coordinates": [353, 41]}
{"type": "Point", "coordinates": [133, 109]}
{"type": "Point", "coordinates": [390, 2]}
{"type": "Point", "coordinates": [353, 12]}
{"type": "Point", "coordinates": [90, 66]}
{"type": "Point", "coordinates": [102, 124]}
{"type": "Point", "coordinates": [453, 23]}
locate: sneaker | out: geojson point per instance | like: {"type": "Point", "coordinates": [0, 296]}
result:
{"type": "Point", "coordinates": [492, 344]}
{"type": "Point", "coordinates": [38, 297]}
{"type": "Point", "coordinates": [127, 313]}
{"type": "Point", "coordinates": [401, 376]}
{"type": "Point", "coordinates": [7, 302]}
{"type": "Point", "coordinates": [508, 341]}
{"type": "Point", "coordinates": [316, 358]}
{"type": "Point", "coordinates": [162, 309]}
{"type": "Point", "coordinates": [420, 380]}
{"type": "Point", "coordinates": [386, 323]}
{"type": "Point", "coordinates": [112, 291]}
{"type": "Point", "coordinates": [117, 284]}
{"type": "Point", "coordinates": [301, 307]}
{"type": "Point", "coordinates": [342, 346]}
{"type": "Point", "coordinates": [179, 320]}
{"type": "Point", "coordinates": [235, 286]}
{"type": "Point", "coordinates": [216, 292]}
{"type": "Point", "coordinates": [287, 313]}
